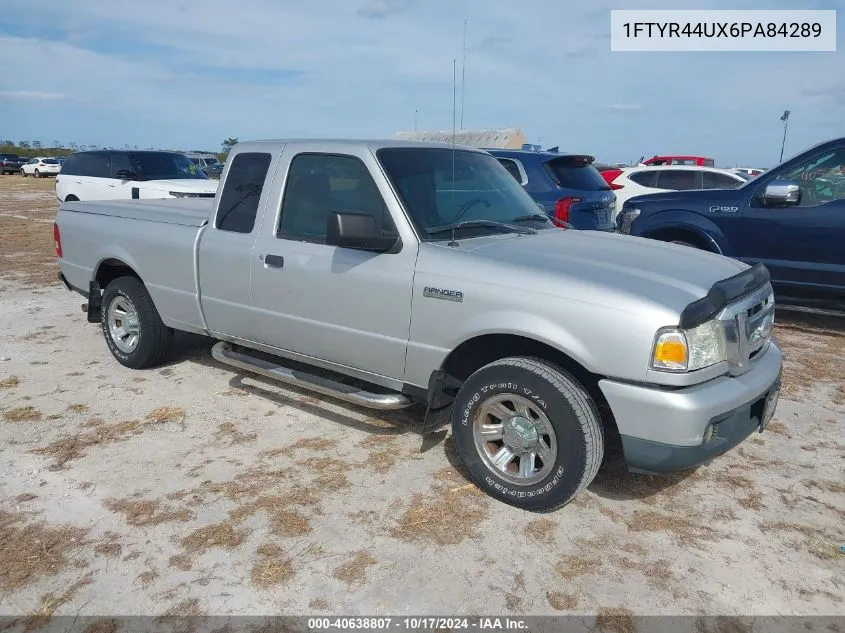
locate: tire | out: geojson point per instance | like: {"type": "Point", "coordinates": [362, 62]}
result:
{"type": "Point", "coordinates": [37, 174]}
{"type": "Point", "coordinates": [23, 173]}
{"type": "Point", "coordinates": [127, 296]}
{"type": "Point", "coordinates": [553, 397]}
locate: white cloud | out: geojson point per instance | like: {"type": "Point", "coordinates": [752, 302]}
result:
{"type": "Point", "coordinates": [30, 95]}
{"type": "Point", "coordinates": [191, 76]}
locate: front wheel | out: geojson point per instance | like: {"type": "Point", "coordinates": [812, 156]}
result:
{"type": "Point", "coordinates": [132, 327]}
{"type": "Point", "coordinates": [23, 173]}
{"type": "Point", "coordinates": [528, 433]}
{"type": "Point", "coordinates": [37, 174]}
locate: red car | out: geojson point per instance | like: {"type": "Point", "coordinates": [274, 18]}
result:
{"type": "Point", "coordinates": [701, 161]}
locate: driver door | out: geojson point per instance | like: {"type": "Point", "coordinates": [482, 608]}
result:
{"type": "Point", "coordinates": [802, 245]}
{"type": "Point", "coordinates": [349, 307]}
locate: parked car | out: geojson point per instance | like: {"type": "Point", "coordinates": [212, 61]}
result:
{"type": "Point", "coordinates": [41, 167]}
{"type": "Point", "coordinates": [700, 161]}
{"type": "Point", "coordinates": [790, 218]}
{"type": "Point", "coordinates": [11, 163]}
{"type": "Point", "coordinates": [637, 181]}
{"type": "Point", "coordinates": [366, 260]}
{"type": "Point", "coordinates": [751, 171]}
{"type": "Point", "coordinates": [567, 186]}
{"type": "Point", "coordinates": [206, 161]}
{"type": "Point", "coordinates": [116, 174]}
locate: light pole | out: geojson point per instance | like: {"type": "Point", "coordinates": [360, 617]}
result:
{"type": "Point", "coordinates": [785, 118]}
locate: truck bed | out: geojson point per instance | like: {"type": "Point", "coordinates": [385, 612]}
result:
{"type": "Point", "coordinates": [183, 211]}
{"type": "Point", "coordinates": [163, 235]}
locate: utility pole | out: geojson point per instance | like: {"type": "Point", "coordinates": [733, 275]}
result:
{"type": "Point", "coordinates": [785, 118]}
{"type": "Point", "coordinates": [463, 74]}
{"type": "Point", "coordinates": [416, 114]}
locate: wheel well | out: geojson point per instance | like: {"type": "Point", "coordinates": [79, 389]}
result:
{"type": "Point", "coordinates": [684, 235]}
{"type": "Point", "coordinates": [111, 269]}
{"type": "Point", "coordinates": [71, 198]}
{"type": "Point", "coordinates": [477, 352]}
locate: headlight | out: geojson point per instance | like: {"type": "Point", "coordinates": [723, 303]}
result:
{"type": "Point", "coordinates": [678, 350]}
{"type": "Point", "coordinates": [183, 194]}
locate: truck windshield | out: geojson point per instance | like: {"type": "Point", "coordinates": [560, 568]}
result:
{"type": "Point", "coordinates": [165, 166]}
{"type": "Point", "coordinates": [441, 187]}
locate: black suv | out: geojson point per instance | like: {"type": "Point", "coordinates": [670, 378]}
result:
{"type": "Point", "coordinates": [11, 163]}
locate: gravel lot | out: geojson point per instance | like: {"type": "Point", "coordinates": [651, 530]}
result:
{"type": "Point", "coordinates": [193, 489]}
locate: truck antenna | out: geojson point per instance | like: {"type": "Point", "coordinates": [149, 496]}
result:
{"type": "Point", "coordinates": [463, 74]}
{"type": "Point", "coordinates": [452, 242]}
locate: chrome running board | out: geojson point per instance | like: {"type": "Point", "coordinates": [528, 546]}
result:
{"type": "Point", "coordinates": [224, 353]}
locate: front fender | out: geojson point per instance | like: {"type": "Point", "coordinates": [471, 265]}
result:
{"type": "Point", "coordinates": [684, 220]}
{"type": "Point", "coordinates": [530, 326]}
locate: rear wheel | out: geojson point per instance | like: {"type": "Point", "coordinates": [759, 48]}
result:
{"type": "Point", "coordinates": [23, 173]}
{"type": "Point", "coordinates": [132, 327]}
{"type": "Point", "coordinates": [528, 433]}
{"type": "Point", "coordinates": [71, 198]}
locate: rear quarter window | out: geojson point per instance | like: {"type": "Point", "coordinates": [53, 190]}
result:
{"type": "Point", "coordinates": [570, 174]}
{"type": "Point", "coordinates": [242, 191]}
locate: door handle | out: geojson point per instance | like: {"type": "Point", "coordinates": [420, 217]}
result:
{"type": "Point", "coordinates": [274, 261]}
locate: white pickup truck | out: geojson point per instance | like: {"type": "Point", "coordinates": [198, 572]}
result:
{"type": "Point", "coordinates": [421, 273]}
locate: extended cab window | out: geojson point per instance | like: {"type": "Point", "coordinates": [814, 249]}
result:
{"type": "Point", "coordinates": [320, 184]}
{"type": "Point", "coordinates": [821, 178]}
{"type": "Point", "coordinates": [242, 191]}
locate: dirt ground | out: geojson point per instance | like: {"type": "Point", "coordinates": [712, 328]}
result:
{"type": "Point", "coordinates": [193, 489]}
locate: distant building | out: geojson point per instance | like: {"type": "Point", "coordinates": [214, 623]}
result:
{"type": "Point", "coordinates": [508, 138]}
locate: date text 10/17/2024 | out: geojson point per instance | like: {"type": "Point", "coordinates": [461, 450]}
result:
{"type": "Point", "coordinates": [417, 624]}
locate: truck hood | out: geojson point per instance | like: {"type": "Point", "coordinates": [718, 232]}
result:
{"type": "Point", "coordinates": [187, 185]}
{"type": "Point", "coordinates": [599, 264]}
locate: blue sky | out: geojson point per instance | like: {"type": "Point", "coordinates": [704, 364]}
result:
{"type": "Point", "coordinates": [172, 74]}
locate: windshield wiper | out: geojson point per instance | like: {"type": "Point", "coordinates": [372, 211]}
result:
{"type": "Point", "coordinates": [542, 216]}
{"type": "Point", "coordinates": [509, 228]}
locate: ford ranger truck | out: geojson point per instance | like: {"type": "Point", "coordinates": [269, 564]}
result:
{"type": "Point", "coordinates": [790, 218]}
{"type": "Point", "coordinates": [390, 273]}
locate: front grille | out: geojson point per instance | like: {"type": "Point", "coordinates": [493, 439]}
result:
{"type": "Point", "coordinates": [748, 327]}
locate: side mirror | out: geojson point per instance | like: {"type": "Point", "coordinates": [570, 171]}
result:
{"type": "Point", "coordinates": [357, 230]}
{"type": "Point", "coordinates": [781, 193]}
{"type": "Point", "coordinates": [125, 174]}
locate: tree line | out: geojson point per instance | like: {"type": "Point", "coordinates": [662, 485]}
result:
{"type": "Point", "coordinates": [30, 149]}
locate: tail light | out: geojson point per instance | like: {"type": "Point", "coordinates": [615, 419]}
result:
{"type": "Point", "coordinates": [57, 238]}
{"type": "Point", "coordinates": [610, 175]}
{"type": "Point", "coordinates": [563, 206]}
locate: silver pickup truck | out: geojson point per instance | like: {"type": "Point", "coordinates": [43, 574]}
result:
{"type": "Point", "coordinates": [423, 274]}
